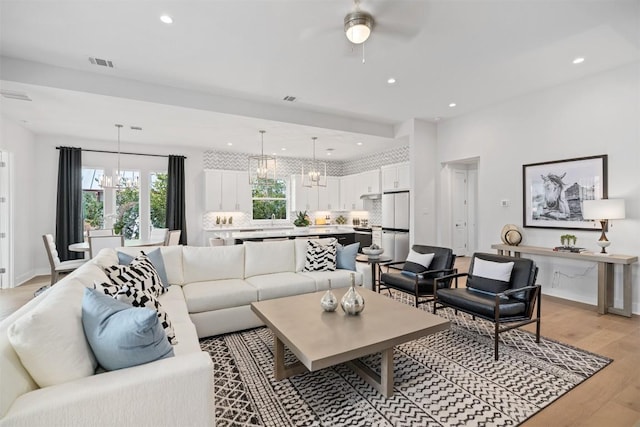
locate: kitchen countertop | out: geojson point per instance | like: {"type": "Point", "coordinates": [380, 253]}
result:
{"type": "Point", "coordinates": [270, 227]}
{"type": "Point", "coordinates": [293, 232]}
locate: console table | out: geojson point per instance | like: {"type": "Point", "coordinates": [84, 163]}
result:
{"type": "Point", "coordinates": [606, 264]}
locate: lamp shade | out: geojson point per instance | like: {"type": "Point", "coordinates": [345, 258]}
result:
{"type": "Point", "coordinates": [603, 209]}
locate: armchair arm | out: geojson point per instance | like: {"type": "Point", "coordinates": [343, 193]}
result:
{"type": "Point", "coordinates": [517, 290]}
{"type": "Point", "coordinates": [432, 272]}
{"type": "Point", "coordinates": [390, 264]}
{"type": "Point", "coordinates": [448, 277]}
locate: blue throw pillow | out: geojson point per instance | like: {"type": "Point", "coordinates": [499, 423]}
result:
{"type": "Point", "coordinates": [120, 335]}
{"type": "Point", "coordinates": [346, 257]}
{"type": "Point", "coordinates": [156, 259]}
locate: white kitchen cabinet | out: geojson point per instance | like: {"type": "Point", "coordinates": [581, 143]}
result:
{"type": "Point", "coordinates": [396, 177]}
{"type": "Point", "coordinates": [227, 191]}
{"type": "Point", "coordinates": [329, 196]}
{"type": "Point", "coordinates": [213, 190]}
{"type": "Point", "coordinates": [304, 198]}
{"type": "Point", "coordinates": [369, 182]}
{"type": "Point", "coordinates": [347, 191]}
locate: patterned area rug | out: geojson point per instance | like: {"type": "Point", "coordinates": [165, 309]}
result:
{"type": "Point", "coordinates": [445, 379]}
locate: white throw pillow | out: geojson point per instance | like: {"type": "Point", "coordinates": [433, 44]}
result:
{"type": "Point", "coordinates": [492, 270]}
{"type": "Point", "coordinates": [417, 262]}
{"type": "Point", "coordinates": [50, 339]}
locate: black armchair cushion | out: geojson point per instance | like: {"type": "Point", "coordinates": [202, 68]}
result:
{"type": "Point", "coordinates": [490, 276]}
{"type": "Point", "coordinates": [417, 262]}
{"type": "Point", "coordinates": [483, 304]}
{"type": "Point", "coordinates": [407, 283]}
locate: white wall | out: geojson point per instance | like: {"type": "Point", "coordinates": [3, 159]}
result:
{"type": "Point", "coordinates": [21, 144]}
{"type": "Point", "coordinates": [45, 162]}
{"type": "Point", "coordinates": [596, 115]}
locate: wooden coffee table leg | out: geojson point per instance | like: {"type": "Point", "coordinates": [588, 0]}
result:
{"type": "Point", "coordinates": [383, 382]}
{"type": "Point", "coordinates": [280, 371]}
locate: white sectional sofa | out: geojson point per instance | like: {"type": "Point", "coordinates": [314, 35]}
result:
{"type": "Point", "coordinates": [211, 292]}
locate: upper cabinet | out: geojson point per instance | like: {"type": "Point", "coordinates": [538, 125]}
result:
{"type": "Point", "coordinates": [368, 182]}
{"type": "Point", "coordinates": [396, 177]}
{"type": "Point", "coordinates": [227, 191]}
{"type": "Point", "coordinates": [313, 199]}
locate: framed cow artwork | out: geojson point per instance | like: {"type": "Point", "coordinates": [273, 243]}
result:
{"type": "Point", "coordinates": [553, 192]}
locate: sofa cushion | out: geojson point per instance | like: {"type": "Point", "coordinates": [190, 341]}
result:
{"type": "Point", "coordinates": [50, 340]}
{"type": "Point", "coordinates": [215, 295]}
{"type": "Point", "coordinates": [301, 250]}
{"type": "Point", "coordinates": [320, 257]}
{"type": "Point", "coordinates": [212, 263]}
{"type": "Point", "coordinates": [269, 257]}
{"type": "Point", "coordinates": [120, 335]}
{"type": "Point", "coordinates": [175, 305]}
{"type": "Point", "coordinates": [346, 256]}
{"type": "Point", "coordinates": [139, 298]}
{"type": "Point", "coordinates": [339, 278]}
{"type": "Point", "coordinates": [155, 256]}
{"type": "Point", "coordinates": [278, 285]}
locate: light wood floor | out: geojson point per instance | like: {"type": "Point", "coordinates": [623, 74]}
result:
{"type": "Point", "coordinates": [609, 398]}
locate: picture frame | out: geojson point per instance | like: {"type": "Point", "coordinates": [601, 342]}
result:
{"type": "Point", "coordinates": [553, 191]}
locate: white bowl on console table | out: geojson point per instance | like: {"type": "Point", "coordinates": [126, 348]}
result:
{"type": "Point", "coordinates": [372, 253]}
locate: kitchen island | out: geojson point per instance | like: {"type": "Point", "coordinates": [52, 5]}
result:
{"type": "Point", "coordinates": [345, 235]}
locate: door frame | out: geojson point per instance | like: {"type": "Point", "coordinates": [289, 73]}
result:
{"type": "Point", "coordinates": [6, 220]}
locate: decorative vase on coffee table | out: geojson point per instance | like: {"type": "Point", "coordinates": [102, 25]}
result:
{"type": "Point", "coordinates": [352, 302]}
{"type": "Point", "coordinates": [329, 302]}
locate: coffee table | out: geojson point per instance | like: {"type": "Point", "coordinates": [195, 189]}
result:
{"type": "Point", "coordinates": [321, 339]}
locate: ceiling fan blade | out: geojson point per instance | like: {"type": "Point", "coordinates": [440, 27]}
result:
{"type": "Point", "coordinates": [399, 31]}
{"type": "Point", "coordinates": [319, 31]}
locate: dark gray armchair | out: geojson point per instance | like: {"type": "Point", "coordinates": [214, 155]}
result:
{"type": "Point", "coordinates": [509, 302]}
{"type": "Point", "coordinates": [415, 280]}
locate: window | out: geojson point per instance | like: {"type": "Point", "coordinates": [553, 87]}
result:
{"type": "Point", "coordinates": [92, 199]}
{"type": "Point", "coordinates": [127, 216]}
{"type": "Point", "coordinates": [269, 201]}
{"type": "Point", "coordinates": [158, 200]}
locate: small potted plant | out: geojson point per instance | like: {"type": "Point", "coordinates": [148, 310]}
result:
{"type": "Point", "coordinates": [302, 220]}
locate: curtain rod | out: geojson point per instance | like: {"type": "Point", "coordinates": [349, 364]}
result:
{"type": "Point", "coordinates": [123, 152]}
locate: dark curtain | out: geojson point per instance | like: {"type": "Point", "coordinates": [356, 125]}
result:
{"type": "Point", "coordinates": [69, 223]}
{"type": "Point", "coordinates": [176, 218]}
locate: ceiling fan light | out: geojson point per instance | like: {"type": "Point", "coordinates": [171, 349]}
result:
{"type": "Point", "coordinates": [357, 26]}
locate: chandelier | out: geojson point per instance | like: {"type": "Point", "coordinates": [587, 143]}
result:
{"type": "Point", "coordinates": [316, 172]}
{"type": "Point", "coordinates": [118, 180]}
{"type": "Point", "coordinates": [262, 168]}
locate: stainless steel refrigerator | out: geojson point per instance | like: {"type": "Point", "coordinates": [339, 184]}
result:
{"type": "Point", "coordinates": [395, 225]}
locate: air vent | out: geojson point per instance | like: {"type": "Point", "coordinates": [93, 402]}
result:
{"type": "Point", "coordinates": [101, 62]}
{"type": "Point", "coordinates": [20, 96]}
{"type": "Point", "coordinates": [136, 128]}
{"type": "Point", "coordinates": [289, 98]}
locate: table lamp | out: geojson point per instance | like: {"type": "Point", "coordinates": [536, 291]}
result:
{"type": "Point", "coordinates": [603, 210]}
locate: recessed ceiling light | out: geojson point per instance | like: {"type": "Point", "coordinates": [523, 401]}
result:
{"type": "Point", "coordinates": [229, 144]}
{"type": "Point", "coordinates": [453, 104]}
{"type": "Point", "coordinates": [283, 149]}
{"type": "Point", "coordinates": [273, 154]}
{"type": "Point", "coordinates": [436, 118]}
{"type": "Point", "coordinates": [391, 80]}
{"type": "Point", "coordinates": [358, 143]}
{"type": "Point", "coordinates": [578, 60]}
{"type": "Point", "coordinates": [328, 153]}
{"type": "Point", "coordinates": [166, 19]}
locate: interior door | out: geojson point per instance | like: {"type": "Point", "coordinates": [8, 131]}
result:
{"type": "Point", "coordinates": [459, 212]}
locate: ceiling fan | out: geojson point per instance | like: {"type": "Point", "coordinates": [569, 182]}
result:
{"type": "Point", "coordinates": [359, 24]}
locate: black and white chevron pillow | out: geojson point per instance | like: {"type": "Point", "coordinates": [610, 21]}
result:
{"type": "Point", "coordinates": [140, 273]}
{"type": "Point", "coordinates": [320, 257]}
{"type": "Point", "coordinates": [139, 298]}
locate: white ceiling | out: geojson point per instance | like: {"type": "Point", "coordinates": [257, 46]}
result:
{"type": "Point", "coordinates": [220, 71]}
